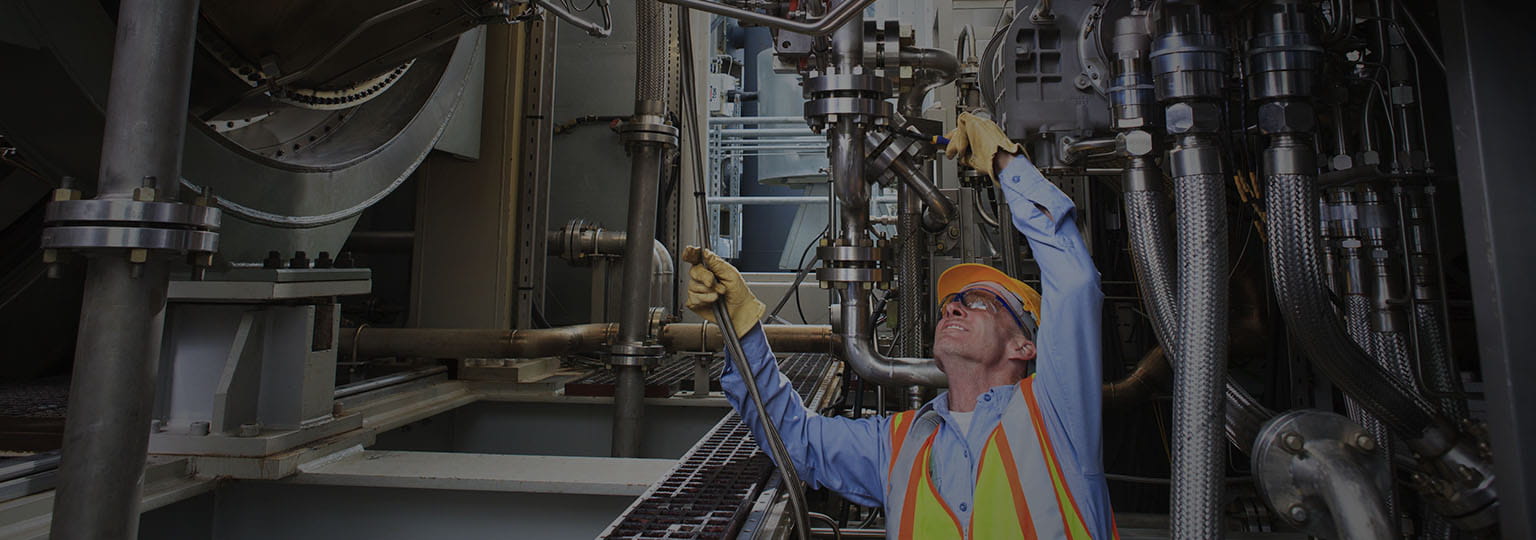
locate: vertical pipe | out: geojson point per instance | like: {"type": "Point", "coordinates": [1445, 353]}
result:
{"type": "Point", "coordinates": [652, 47]}
{"type": "Point", "coordinates": [122, 316]}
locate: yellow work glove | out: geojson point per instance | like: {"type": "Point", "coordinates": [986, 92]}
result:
{"type": "Point", "coordinates": [975, 141]}
{"type": "Point", "coordinates": [709, 280]}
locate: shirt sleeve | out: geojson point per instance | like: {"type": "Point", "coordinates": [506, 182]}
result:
{"type": "Point", "coordinates": [841, 454]}
{"type": "Point", "coordinates": [1068, 365]}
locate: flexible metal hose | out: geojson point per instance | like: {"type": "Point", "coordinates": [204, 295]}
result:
{"type": "Point", "coordinates": [909, 326]}
{"type": "Point", "coordinates": [1439, 373]}
{"type": "Point", "coordinates": [1147, 217]}
{"type": "Point", "coordinates": [652, 70]}
{"type": "Point", "coordinates": [1202, 286]}
{"type": "Point", "coordinates": [1296, 271]}
{"type": "Point", "coordinates": [798, 508]}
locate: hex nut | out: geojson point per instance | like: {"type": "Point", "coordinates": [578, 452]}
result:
{"type": "Point", "coordinates": [248, 430]}
{"type": "Point", "coordinates": [144, 194]}
{"type": "Point", "coordinates": [198, 428]}
{"type": "Point", "coordinates": [1196, 117]}
{"type": "Point", "coordinates": [1286, 117]}
{"type": "Point", "coordinates": [1298, 512]}
{"type": "Point", "coordinates": [1342, 162]}
{"type": "Point", "coordinates": [1292, 442]}
{"type": "Point", "coordinates": [1365, 442]}
{"type": "Point", "coordinates": [138, 255]}
{"type": "Point", "coordinates": [66, 194]}
{"type": "Point", "coordinates": [1135, 143]}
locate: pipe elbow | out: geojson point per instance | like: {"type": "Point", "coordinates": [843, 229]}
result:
{"type": "Point", "coordinates": [861, 355]}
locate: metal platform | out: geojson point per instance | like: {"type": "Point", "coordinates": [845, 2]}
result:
{"type": "Point", "coordinates": [710, 492]}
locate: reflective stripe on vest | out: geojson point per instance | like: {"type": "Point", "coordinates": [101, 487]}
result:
{"type": "Point", "coordinates": [1020, 491]}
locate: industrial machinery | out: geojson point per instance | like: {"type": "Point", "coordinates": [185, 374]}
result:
{"type": "Point", "coordinates": [345, 264]}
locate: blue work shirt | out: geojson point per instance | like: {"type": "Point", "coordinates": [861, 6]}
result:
{"type": "Point", "coordinates": [850, 456]}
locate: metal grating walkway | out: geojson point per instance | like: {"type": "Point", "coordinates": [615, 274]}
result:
{"type": "Point", "coordinates": [711, 490]}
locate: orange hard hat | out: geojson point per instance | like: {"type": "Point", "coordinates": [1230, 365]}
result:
{"type": "Point", "coordinates": [961, 276]}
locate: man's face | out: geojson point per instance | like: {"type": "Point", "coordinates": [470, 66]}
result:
{"type": "Point", "coordinates": [987, 337]}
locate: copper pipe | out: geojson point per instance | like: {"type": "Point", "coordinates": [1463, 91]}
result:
{"type": "Point", "coordinates": [1151, 375]}
{"type": "Point", "coordinates": [782, 338]}
{"type": "Point", "coordinates": [476, 343]}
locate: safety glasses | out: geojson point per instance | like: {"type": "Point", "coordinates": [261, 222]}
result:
{"type": "Point", "coordinates": [985, 300]}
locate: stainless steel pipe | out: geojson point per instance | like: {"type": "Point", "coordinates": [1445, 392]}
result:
{"type": "Point", "coordinates": [106, 437]}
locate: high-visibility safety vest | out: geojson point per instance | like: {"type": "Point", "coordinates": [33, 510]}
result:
{"type": "Point", "coordinates": [1020, 488]}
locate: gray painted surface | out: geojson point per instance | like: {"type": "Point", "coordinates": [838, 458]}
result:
{"type": "Point", "coordinates": [241, 510]}
{"type": "Point", "coordinates": [549, 429]}
{"type": "Point", "coordinates": [589, 173]}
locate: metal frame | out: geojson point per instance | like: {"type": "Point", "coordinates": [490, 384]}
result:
{"type": "Point", "coordinates": [533, 195]}
{"type": "Point", "coordinates": [1492, 117]}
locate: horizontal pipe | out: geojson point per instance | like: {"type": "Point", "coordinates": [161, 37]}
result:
{"type": "Point", "coordinates": [784, 200]}
{"type": "Point", "coordinates": [766, 132]}
{"type": "Point", "coordinates": [825, 25]}
{"type": "Point", "coordinates": [533, 343]}
{"type": "Point", "coordinates": [741, 120]}
{"type": "Point", "coordinates": [782, 338]}
{"type": "Point", "coordinates": [387, 380]}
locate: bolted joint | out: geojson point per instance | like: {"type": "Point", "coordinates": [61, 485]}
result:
{"type": "Point", "coordinates": [1297, 512]}
{"type": "Point", "coordinates": [1293, 442]}
{"type": "Point", "coordinates": [1286, 117]}
{"type": "Point", "coordinates": [1364, 442]}
{"type": "Point", "coordinates": [1192, 117]}
{"type": "Point", "coordinates": [144, 194]}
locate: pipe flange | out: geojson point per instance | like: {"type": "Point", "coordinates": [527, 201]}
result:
{"type": "Point", "coordinates": [122, 211]}
{"type": "Point", "coordinates": [648, 130]}
{"type": "Point", "coordinates": [147, 238]}
{"type": "Point", "coordinates": [821, 111]}
{"type": "Point", "coordinates": [845, 82]}
{"type": "Point", "coordinates": [852, 275]}
{"type": "Point", "coordinates": [885, 149]}
{"type": "Point", "coordinates": [853, 254]}
{"type": "Point", "coordinates": [1296, 437]}
{"type": "Point", "coordinates": [645, 356]}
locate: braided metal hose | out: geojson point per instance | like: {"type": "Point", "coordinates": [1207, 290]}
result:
{"type": "Point", "coordinates": [909, 326]}
{"type": "Point", "coordinates": [1296, 270]}
{"type": "Point", "coordinates": [1202, 288]}
{"type": "Point", "coordinates": [1147, 216]}
{"type": "Point", "coordinates": [1439, 372]}
{"type": "Point", "coordinates": [1357, 313]}
{"type": "Point", "coordinates": [653, 73]}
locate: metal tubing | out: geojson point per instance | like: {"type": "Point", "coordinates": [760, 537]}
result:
{"type": "Point", "coordinates": [743, 120]}
{"type": "Point", "coordinates": [783, 200]}
{"type": "Point", "coordinates": [938, 210]}
{"type": "Point", "coordinates": [776, 448]}
{"type": "Point", "coordinates": [634, 312]}
{"type": "Point", "coordinates": [833, 20]}
{"type": "Point", "coordinates": [909, 275]}
{"type": "Point", "coordinates": [591, 28]}
{"type": "Point", "coordinates": [1135, 389]}
{"type": "Point", "coordinates": [937, 67]}
{"type": "Point", "coordinates": [106, 437]}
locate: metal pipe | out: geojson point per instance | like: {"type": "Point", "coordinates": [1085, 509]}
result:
{"type": "Point", "coordinates": [784, 200]}
{"type": "Point", "coordinates": [386, 381]}
{"type": "Point", "coordinates": [741, 120]}
{"type": "Point", "coordinates": [776, 448]}
{"type": "Point", "coordinates": [937, 67]}
{"type": "Point", "coordinates": [106, 436]}
{"type": "Point", "coordinates": [766, 132]}
{"type": "Point", "coordinates": [591, 28]}
{"type": "Point", "coordinates": [938, 210]}
{"type": "Point", "coordinates": [1150, 375]}
{"type": "Point", "coordinates": [372, 342]}
{"type": "Point", "coordinates": [1076, 149]}
{"type": "Point", "coordinates": [910, 242]}
{"type": "Point", "coordinates": [824, 25]}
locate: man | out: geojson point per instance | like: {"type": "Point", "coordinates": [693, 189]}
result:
{"type": "Point", "coordinates": [1000, 454]}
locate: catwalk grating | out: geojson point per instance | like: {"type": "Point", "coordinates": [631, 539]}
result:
{"type": "Point", "coordinates": [711, 490]}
